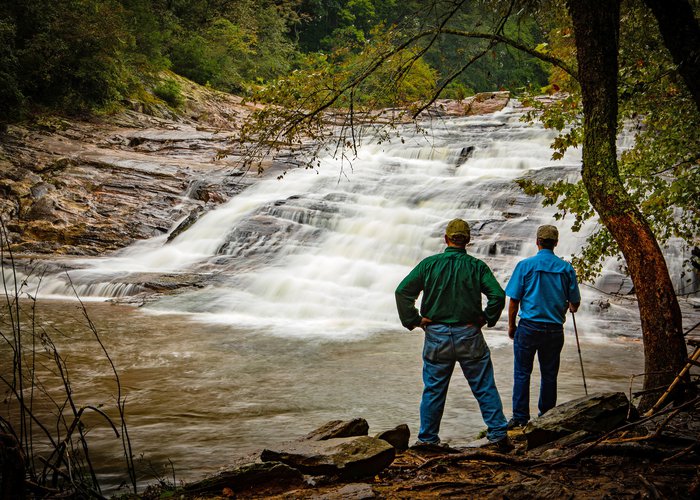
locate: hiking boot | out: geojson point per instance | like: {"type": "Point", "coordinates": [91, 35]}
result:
{"type": "Point", "coordinates": [502, 445]}
{"type": "Point", "coordinates": [514, 424]}
{"type": "Point", "coordinates": [433, 447]}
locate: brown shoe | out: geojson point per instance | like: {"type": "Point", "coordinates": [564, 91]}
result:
{"type": "Point", "coordinates": [501, 446]}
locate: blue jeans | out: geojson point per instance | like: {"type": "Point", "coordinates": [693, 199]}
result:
{"type": "Point", "coordinates": [547, 340]}
{"type": "Point", "coordinates": [444, 345]}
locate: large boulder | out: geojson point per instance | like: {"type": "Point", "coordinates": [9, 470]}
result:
{"type": "Point", "coordinates": [595, 414]}
{"type": "Point", "coordinates": [351, 457]}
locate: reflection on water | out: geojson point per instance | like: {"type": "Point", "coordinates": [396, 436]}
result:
{"type": "Point", "coordinates": [200, 395]}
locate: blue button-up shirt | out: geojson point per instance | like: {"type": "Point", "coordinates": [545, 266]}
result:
{"type": "Point", "coordinates": [544, 284]}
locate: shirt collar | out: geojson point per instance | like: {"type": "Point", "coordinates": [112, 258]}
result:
{"type": "Point", "coordinates": [456, 249]}
{"type": "Point", "coordinates": [546, 250]}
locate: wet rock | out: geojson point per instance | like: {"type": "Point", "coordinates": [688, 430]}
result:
{"type": "Point", "coordinates": [185, 224]}
{"type": "Point", "coordinates": [479, 104]}
{"type": "Point", "coordinates": [596, 414]}
{"type": "Point", "coordinates": [42, 209]}
{"type": "Point", "coordinates": [465, 154]}
{"type": "Point", "coordinates": [398, 437]}
{"type": "Point", "coordinates": [339, 429]}
{"type": "Point", "coordinates": [247, 476]}
{"type": "Point", "coordinates": [120, 178]}
{"type": "Point", "coordinates": [347, 458]}
{"type": "Point", "coordinates": [41, 189]}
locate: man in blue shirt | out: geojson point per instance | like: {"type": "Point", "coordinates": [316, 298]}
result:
{"type": "Point", "coordinates": [542, 288]}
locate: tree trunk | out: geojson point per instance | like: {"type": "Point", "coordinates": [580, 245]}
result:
{"type": "Point", "coordinates": [681, 35]}
{"type": "Point", "coordinates": [596, 29]}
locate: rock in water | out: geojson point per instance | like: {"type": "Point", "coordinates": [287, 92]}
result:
{"type": "Point", "coordinates": [353, 457]}
{"type": "Point", "coordinates": [597, 413]}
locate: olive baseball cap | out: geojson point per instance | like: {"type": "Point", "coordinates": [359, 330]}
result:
{"type": "Point", "coordinates": [547, 233]}
{"type": "Point", "coordinates": [458, 228]}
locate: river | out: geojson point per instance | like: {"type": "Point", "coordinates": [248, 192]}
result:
{"type": "Point", "coordinates": [294, 323]}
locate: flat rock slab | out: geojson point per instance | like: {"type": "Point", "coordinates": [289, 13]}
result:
{"type": "Point", "coordinates": [353, 457]}
{"type": "Point", "coordinates": [596, 414]}
{"type": "Point", "coordinates": [354, 491]}
{"type": "Point", "coordinates": [340, 429]}
{"type": "Point", "coordinates": [247, 476]}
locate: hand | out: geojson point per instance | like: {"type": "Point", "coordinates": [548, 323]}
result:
{"type": "Point", "coordinates": [573, 307]}
{"type": "Point", "coordinates": [425, 322]}
{"type": "Point", "coordinates": [482, 321]}
{"type": "Point", "coordinates": [511, 331]}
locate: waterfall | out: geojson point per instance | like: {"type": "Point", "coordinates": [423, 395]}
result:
{"type": "Point", "coordinates": [319, 252]}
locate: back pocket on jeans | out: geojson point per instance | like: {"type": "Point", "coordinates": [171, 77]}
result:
{"type": "Point", "coordinates": [437, 348]}
{"type": "Point", "coordinates": [471, 345]}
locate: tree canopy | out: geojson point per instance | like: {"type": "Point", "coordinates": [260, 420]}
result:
{"type": "Point", "coordinates": [81, 55]}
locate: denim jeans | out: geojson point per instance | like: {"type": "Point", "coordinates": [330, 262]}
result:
{"type": "Point", "coordinates": [547, 340]}
{"type": "Point", "coordinates": [444, 345]}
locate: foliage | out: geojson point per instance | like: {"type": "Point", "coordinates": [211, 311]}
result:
{"type": "Point", "coordinates": [68, 53]}
{"type": "Point", "coordinates": [82, 55]}
{"type": "Point", "coordinates": [10, 93]}
{"type": "Point", "coordinates": [501, 67]}
{"type": "Point", "coordinates": [346, 84]}
{"type": "Point", "coordinates": [659, 169]}
{"type": "Point", "coordinates": [79, 55]}
{"type": "Point", "coordinates": [209, 58]}
{"type": "Point", "coordinates": [170, 92]}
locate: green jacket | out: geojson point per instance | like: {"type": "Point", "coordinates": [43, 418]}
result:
{"type": "Point", "coordinates": [452, 283]}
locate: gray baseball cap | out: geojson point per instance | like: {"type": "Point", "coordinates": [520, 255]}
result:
{"type": "Point", "coordinates": [548, 232]}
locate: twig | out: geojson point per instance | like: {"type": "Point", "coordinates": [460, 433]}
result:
{"type": "Point", "coordinates": [681, 453]}
{"type": "Point", "coordinates": [654, 493]}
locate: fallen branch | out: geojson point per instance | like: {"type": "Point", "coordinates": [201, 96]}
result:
{"type": "Point", "coordinates": [486, 456]}
{"type": "Point", "coordinates": [681, 453]}
{"type": "Point", "coordinates": [434, 485]}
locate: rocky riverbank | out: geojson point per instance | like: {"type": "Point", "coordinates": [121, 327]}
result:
{"type": "Point", "coordinates": [86, 187]}
{"type": "Point", "coordinates": [91, 186]}
{"type": "Point", "coordinates": [593, 447]}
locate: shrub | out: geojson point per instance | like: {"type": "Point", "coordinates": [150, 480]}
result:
{"type": "Point", "coordinates": [171, 92]}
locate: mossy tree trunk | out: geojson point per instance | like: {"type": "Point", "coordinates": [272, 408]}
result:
{"type": "Point", "coordinates": [596, 28]}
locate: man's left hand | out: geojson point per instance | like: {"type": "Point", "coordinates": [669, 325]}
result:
{"type": "Point", "coordinates": [425, 322]}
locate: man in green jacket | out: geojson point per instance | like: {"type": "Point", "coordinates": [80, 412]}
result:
{"type": "Point", "coordinates": [451, 315]}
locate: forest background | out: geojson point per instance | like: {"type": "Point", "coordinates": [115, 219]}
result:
{"type": "Point", "coordinates": [79, 56]}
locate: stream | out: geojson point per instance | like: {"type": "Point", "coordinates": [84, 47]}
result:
{"type": "Point", "coordinates": [293, 322]}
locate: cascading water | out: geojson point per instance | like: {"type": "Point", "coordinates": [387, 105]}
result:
{"type": "Point", "coordinates": [296, 323]}
{"type": "Point", "coordinates": [310, 254]}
